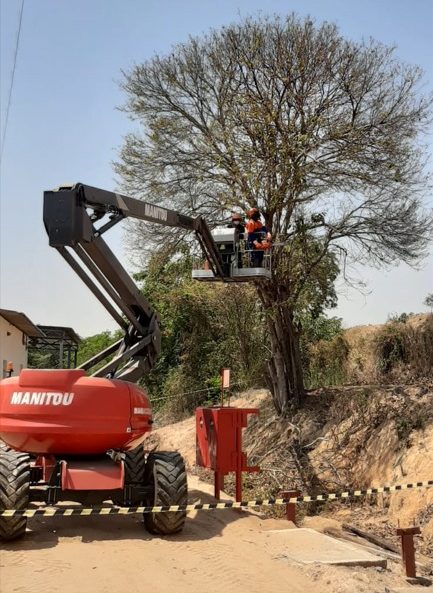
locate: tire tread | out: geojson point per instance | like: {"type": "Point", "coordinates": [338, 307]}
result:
{"type": "Point", "coordinates": [14, 491]}
{"type": "Point", "coordinates": [167, 472]}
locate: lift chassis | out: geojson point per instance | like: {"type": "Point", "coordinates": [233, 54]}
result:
{"type": "Point", "coordinates": [77, 435]}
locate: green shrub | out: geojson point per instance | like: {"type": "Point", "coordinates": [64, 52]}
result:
{"type": "Point", "coordinates": [319, 328]}
{"type": "Point", "coordinates": [204, 328]}
{"type": "Point", "coordinates": [94, 344]}
{"type": "Point", "coordinates": [324, 351]}
{"type": "Point", "coordinates": [390, 347]}
{"type": "Point", "coordinates": [326, 366]}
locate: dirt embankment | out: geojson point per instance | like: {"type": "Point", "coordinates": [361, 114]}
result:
{"type": "Point", "coordinates": [348, 437]}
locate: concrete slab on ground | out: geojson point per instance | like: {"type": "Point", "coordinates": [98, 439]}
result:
{"type": "Point", "coordinates": [309, 547]}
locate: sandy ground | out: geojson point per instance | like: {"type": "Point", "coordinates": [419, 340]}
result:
{"type": "Point", "coordinates": [217, 552]}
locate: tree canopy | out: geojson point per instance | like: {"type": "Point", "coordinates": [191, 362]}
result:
{"type": "Point", "coordinates": [321, 133]}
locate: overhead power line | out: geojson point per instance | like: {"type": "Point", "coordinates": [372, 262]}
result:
{"type": "Point", "coordinates": [12, 79]}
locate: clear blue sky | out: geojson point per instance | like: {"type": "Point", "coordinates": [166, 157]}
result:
{"type": "Point", "coordinates": [64, 126]}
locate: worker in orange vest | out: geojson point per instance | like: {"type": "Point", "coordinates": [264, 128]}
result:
{"type": "Point", "coordinates": [259, 239]}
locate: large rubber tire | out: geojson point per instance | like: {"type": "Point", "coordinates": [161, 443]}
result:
{"type": "Point", "coordinates": [166, 472]}
{"type": "Point", "coordinates": [14, 492]}
{"type": "Point", "coordinates": [135, 465]}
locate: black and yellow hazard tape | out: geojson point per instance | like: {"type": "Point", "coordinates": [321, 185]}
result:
{"type": "Point", "coordinates": [268, 502]}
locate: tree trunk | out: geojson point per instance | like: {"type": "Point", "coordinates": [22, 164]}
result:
{"type": "Point", "coordinates": [285, 364]}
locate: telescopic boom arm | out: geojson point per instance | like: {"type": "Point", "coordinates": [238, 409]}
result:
{"type": "Point", "coordinates": [70, 217]}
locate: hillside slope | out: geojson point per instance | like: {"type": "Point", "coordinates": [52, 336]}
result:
{"type": "Point", "coordinates": [399, 350]}
{"type": "Point", "coordinates": [349, 437]}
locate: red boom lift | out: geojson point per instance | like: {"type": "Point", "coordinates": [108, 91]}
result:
{"type": "Point", "coordinates": [70, 436]}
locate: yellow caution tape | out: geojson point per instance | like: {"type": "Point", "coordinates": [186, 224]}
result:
{"type": "Point", "coordinates": [212, 506]}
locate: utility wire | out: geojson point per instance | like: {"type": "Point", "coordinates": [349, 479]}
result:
{"type": "Point", "coordinates": [12, 79]}
{"type": "Point", "coordinates": [166, 397]}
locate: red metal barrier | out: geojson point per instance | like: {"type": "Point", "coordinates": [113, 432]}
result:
{"type": "Point", "coordinates": [219, 443]}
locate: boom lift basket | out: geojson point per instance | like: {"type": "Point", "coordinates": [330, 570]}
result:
{"type": "Point", "coordinates": [240, 264]}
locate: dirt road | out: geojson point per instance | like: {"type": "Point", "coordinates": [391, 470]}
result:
{"type": "Point", "coordinates": [217, 552]}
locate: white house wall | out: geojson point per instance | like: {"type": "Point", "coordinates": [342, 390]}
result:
{"type": "Point", "coordinates": [13, 348]}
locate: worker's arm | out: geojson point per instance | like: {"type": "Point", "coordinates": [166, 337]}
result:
{"type": "Point", "coordinates": [264, 245]}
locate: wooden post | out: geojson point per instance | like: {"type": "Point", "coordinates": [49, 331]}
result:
{"type": "Point", "coordinates": [225, 382]}
{"type": "Point", "coordinates": [218, 484]}
{"type": "Point", "coordinates": [290, 506]}
{"type": "Point", "coordinates": [408, 549]}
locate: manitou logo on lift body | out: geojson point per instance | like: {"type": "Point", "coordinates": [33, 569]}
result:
{"type": "Point", "coordinates": [42, 398]}
{"type": "Point", "coordinates": [155, 212]}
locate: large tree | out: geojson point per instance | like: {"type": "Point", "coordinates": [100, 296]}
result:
{"type": "Point", "coordinates": [319, 132]}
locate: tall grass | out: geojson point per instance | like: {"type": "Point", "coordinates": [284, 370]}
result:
{"type": "Point", "coordinates": [402, 347]}
{"type": "Point", "coordinates": [399, 350]}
